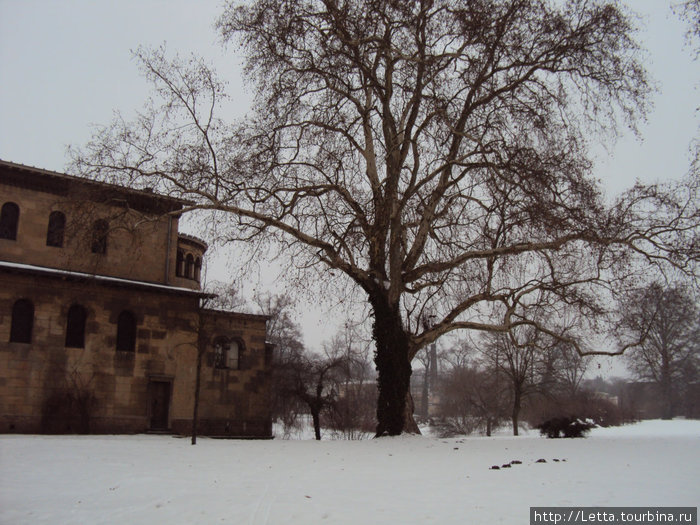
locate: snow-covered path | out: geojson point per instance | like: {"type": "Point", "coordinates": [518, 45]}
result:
{"type": "Point", "coordinates": [157, 479]}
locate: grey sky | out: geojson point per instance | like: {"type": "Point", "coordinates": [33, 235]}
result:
{"type": "Point", "coordinates": [66, 64]}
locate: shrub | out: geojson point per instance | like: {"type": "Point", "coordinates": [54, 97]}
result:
{"type": "Point", "coordinates": [67, 411]}
{"type": "Point", "coordinates": [585, 405]}
{"type": "Point", "coordinates": [563, 426]}
{"type": "Point", "coordinates": [446, 427]}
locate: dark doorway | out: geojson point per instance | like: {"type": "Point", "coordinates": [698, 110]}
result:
{"type": "Point", "coordinates": [160, 404]}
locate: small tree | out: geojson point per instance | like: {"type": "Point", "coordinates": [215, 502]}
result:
{"type": "Point", "coordinates": [70, 405]}
{"type": "Point", "coordinates": [353, 414]}
{"type": "Point", "coordinates": [471, 398]}
{"type": "Point", "coordinates": [524, 366]}
{"type": "Point", "coordinates": [571, 368]}
{"type": "Point", "coordinates": [286, 337]}
{"type": "Point", "coordinates": [312, 380]}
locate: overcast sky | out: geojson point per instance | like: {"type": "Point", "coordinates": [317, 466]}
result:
{"type": "Point", "coordinates": [66, 64]}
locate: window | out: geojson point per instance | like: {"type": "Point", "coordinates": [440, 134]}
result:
{"type": "Point", "coordinates": [189, 266]}
{"type": "Point", "coordinates": [232, 356]}
{"type": "Point", "coordinates": [197, 268]}
{"type": "Point", "coordinates": [126, 332]}
{"type": "Point", "coordinates": [9, 220]}
{"type": "Point", "coordinates": [75, 327]}
{"type": "Point", "coordinates": [22, 321]}
{"type": "Point", "coordinates": [56, 229]}
{"type": "Point", "coordinates": [99, 236]}
{"type": "Point", "coordinates": [226, 354]}
{"type": "Point", "coordinates": [180, 264]}
{"type": "Point", "coordinates": [220, 351]}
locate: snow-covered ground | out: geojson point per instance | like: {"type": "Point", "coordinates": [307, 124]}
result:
{"type": "Point", "coordinates": [158, 479]}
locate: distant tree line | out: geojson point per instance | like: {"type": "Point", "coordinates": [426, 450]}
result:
{"type": "Point", "coordinates": [491, 381]}
{"type": "Point", "coordinates": [500, 379]}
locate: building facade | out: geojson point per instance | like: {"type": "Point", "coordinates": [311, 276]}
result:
{"type": "Point", "coordinates": [102, 321]}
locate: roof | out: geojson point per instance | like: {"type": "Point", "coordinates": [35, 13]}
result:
{"type": "Point", "coordinates": [60, 183]}
{"type": "Point", "coordinates": [237, 315]}
{"type": "Point", "coordinates": [102, 279]}
{"type": "Point", "coordinates": [192, 240]}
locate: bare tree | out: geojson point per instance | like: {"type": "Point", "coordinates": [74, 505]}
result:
{"type": "Point", "coordinates": [668, 320]}
{"type": "Point", "coordinates": [352, 416]}
{"type": "Point", "coordinates": [313, 380]}
{"type": "Point", "coordinates": [571, 368]}
{"type": "Point", "coordinates": [689, 10]}
{"type": "Point", "coordinates": [471, 398]}
{"type": "Point", "coordinates": [286, 337]}
{"type": "Point", "coordinates": [420, 149]}
{"type": "Point", "coordinates": [516, 361]}
{"type": "Point", "coordinates": [225, 296]}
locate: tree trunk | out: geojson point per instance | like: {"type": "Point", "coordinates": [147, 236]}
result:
{"type": "Point", "coordinates": [667, 408]}
{"type": "Point", "coordinates": [197, 385]}
{"type": "Point", "coordinates": [410, 426]}
{"type": "Point", "coordinates": [488, 427]}
{"type": "Point", "coordinates": [316, 416]}
{"type": "Point", "coordinates": [425, 394]}
{"type": "Point", "coordinates": [393, 369]}
{"type": "Point", "coordinates": [515, 413]}
{"type": "Point", "coordinates": [666, 387]}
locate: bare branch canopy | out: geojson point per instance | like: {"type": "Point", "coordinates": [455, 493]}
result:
{"type": "Point", "coordinates": [436, 152]}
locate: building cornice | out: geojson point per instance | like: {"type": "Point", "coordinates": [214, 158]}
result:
{"type": "Point", "coordinates": [191, 239]}
{"type": "Point", "coordinates": [236, 315]}
{"type": "Point", "coordinates": [68, 275]}
{"type": "Point", "coordinates": [47, 181]}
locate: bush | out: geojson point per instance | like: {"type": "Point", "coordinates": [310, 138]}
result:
{"type": "Point", "coordinates": [446, 427]}
{"type": "Point", "coordinates": [568, 427]}
{"type": "Point", "coordinates": [68, 411]}
{"type": "Point", "coordinates": [585, 405]}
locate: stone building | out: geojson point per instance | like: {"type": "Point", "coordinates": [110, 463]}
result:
{"type": "Point", "coordinates": [101, 317]}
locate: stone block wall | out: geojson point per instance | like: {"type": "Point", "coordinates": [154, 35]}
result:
{"type": "Point", "coordinates": [236, 402]}
{"type": "Point", "coordinates": [47, 386]}
{"type": "Point", "coordinates": [34, 376]}
{"type": "Point", "coordinates": [140, 246]}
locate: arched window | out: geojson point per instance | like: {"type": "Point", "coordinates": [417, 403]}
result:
{"type": "Point", "coordinates": [22, 321]}
{"type": "Point", "coordinates": [221, 347]}
{"type": "Point", "coordinates": [9, 220]}
{"type": "Point", "coordinates": [226, 353]}
{"type": "Point", "coordinates": [189, 266]}
{"type": "Point", "coordinates": [99, 236]}
{"type": "Point", "coordinates": [126, 332]}
{"type": "Point", "coordinates": [232, 358]}
{"type": "Point", "coordinates": [197, 268]}
{"type": "Point", "coordinates": [75, 327]}
{"type": "Point", "coordinates": [56, 229]}
{"type": "Point", "coordinates": [180, 264]}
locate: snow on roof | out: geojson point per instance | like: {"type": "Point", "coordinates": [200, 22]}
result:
{"type": "Point", "coordinates": [101, 278]}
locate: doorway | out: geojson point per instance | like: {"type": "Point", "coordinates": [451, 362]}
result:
{"type": "Point", "coordinates": [160, 404]}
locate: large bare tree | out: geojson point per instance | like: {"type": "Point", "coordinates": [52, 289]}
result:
{"type": "Point", "coordinates": [423, 149]}
{"type": "Point", "coordinates": [668, 318]}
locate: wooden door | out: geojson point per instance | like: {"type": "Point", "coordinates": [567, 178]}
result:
{"type": "Point", "coordinates": [160, 404]}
